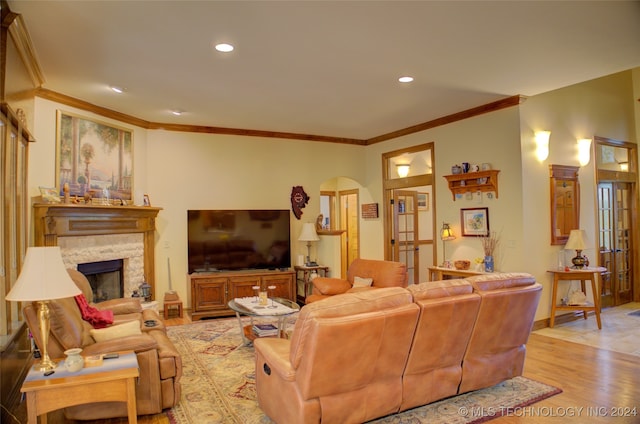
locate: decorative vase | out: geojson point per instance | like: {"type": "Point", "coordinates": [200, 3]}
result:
{"type": "Point", "coordinates": [74, 361]}
{"type": "Point", "coordinates": [488, 263]}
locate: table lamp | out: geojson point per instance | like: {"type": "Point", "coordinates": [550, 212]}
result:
{"type": "Point", "coordinates": [446, 233]}
{"type": "Point", "coordinates": [308, 234]}
{"type": "Point", "coordinates": [577, 242]}
{"type": "Point", "coordinates": [43, 277]}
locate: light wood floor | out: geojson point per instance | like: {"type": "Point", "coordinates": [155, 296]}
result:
{"type": "Point", "coordinates": [597, 380]}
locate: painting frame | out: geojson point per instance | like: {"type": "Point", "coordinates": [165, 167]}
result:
{"type": "Point", "coordinates": [474, 222]}
{"type": "Point", "coordinates": [93, 157]}
{"type": "Point", "coordinates": [423, 201]}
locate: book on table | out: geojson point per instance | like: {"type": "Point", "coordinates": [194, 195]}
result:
{"type": "Point", "coordinates": [265, 330]}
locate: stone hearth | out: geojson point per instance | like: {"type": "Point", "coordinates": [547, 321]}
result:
{"type": "Point", "coordinates": [86, 249]}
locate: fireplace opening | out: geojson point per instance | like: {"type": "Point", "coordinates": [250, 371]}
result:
{"type": "Point", "coordinates": [106, 278]}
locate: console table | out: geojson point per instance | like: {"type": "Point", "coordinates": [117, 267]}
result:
{"type": "Point", "coordinates": [582, 275]}
{"type": "Point", "coordinates": [437, 273]}
{"type": "Point", "coordinates": [114, 380]}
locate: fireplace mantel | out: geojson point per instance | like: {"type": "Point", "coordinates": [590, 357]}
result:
{"type": "Point", "coordinates": [52, 220]}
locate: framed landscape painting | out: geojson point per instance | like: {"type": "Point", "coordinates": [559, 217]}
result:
{"type": "Point", "coordinates": [474, 222]}
{"type": "Point", "coordinates": [93, 158]}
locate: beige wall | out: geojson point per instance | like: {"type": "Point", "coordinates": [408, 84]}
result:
{"type": "Point", "coordinates": [602, 107]}
{"type": "Point", "coordinates": [183, 171]}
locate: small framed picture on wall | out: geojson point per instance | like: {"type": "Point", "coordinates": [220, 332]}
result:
{"type": "Point", "coordinates": [474, 222]}
{"type": "Point", "coordinates": [146, 201]}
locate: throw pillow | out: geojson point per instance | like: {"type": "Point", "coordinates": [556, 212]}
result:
{"type": "Point", "coordinates": [130, 328]}
{"type": "Point", "coordinates": [362, 282]}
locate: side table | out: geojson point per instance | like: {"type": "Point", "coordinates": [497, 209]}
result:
{"type": "Point", "coordinates": [114, 380]}
{"type": "Point", "coordinates": [582, 275]}
{"type": "Point", "coordinates": [303, 274]}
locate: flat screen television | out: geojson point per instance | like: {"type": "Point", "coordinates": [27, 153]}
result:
{"type": "Point", "coordinates": [225, 240]}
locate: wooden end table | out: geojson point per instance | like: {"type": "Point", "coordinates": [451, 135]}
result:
{"type": "Point", "coordinates": [303, 274]}
{"type": "Point", "coordinates": [582, 275]}
{"type": "Point", "coordinates": [114, 381]}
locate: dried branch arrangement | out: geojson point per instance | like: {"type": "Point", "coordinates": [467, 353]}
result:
{"type": "Point", "coordinates": [490, 243]}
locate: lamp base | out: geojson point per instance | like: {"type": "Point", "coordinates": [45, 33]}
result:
{"type": "Point", "coordinates": [45, 364]}
{"type": "Point", "coordinates": [579, 261]}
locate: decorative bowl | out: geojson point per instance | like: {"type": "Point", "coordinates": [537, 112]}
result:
{"type": "Point", "coordinates": [462, 264]}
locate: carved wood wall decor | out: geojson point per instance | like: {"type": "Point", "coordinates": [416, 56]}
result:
{"type": "Point", "coordinates": [299, 200]}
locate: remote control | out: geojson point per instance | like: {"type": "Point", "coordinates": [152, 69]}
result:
{"type": "Point", "coordinates": [111, 355]}
{"type": "Point", "coordinates": [48, 373]}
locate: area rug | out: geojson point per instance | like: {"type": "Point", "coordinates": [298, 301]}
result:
{"type": "Point", "coordinates": [218, 384]}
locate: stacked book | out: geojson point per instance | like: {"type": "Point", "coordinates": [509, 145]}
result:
{"type": "Point", "coordinates": [265, 330]}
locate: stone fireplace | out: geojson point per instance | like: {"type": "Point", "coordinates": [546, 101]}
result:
{"type": "Point", "coordinates": [88, 234]}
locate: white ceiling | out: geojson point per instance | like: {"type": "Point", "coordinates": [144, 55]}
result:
{"type": "Point", "coordinates": [323, 67]}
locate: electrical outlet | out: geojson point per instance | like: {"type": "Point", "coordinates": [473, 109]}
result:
{"type": "Point", "coordinates": [166, 244]}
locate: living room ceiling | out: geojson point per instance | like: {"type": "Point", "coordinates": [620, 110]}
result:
{"type": "Point", "coordinates": [326, 68]}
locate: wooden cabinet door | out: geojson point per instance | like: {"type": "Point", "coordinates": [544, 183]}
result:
{"type": "Point", "coordinates": [242, 286]}
{"type": "Point", "coordinates": [209, 293]}
{"type": "Point", "coordinates": [283, 283]}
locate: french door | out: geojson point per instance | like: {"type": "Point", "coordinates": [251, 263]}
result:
{"type": "Point", "coordinates": [615, 209]}
{"type": "Point", "coordinates": [405, 231]}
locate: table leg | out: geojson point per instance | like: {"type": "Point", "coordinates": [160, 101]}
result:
{"type": "Point", "coordinates": [584, 290]}
{"type": "Point", "coordinates": [596, 300]}
{"type": "Point", "coordinates": [553, 300]}
{"type": "Point", "coordinates": [131, 401]}
{"type": "Point", "coordinates": [244, 339]}
{"type": "Point", "coordinates": [32, 411]}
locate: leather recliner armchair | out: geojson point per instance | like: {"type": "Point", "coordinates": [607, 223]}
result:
{"type": "Point", "coordinates": [159, 362]}
{"type": "Point", "coordinates": [382, 274]}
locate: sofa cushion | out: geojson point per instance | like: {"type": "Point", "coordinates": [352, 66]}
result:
{"type": "Point", "coordinates": [130, 328]}
{"type": "Point", "coordinates": [439, 289]}
{"type": "Point", "coordinates": [503, 280]}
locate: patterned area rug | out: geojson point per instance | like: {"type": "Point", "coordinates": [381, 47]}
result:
{"type": "Point", "coordinates": [218, 384]}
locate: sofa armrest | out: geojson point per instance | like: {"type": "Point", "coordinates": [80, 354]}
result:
{"type": "Point", "coordinates": [136, 343]}
{"type": "Point", "coordinates": [330, 286]}
{"type": "Point", "coordinates": [121, 306]}
{"type": "Point", "coordinates": [276, 355]}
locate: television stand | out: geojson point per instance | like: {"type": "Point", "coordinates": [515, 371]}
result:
{"type": "Point", "coordinates": [212, 291]}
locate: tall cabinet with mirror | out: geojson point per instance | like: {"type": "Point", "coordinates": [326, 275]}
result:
{"type": "Point", "coordinates": [19, 77]}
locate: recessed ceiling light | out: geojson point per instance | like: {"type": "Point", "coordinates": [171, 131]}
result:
{"type": "Point", "coordinates": [224, 47]}
{"type": "Point", "coordinates": [405, 79]}
{"type": "Point", "coordinates": [118, 90]}
{"type": "Point", "coordinates": [176, 112]}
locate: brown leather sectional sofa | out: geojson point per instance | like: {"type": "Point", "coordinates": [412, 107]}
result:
{"type": "Point", "coordinates": [159, 362]}
{"type": "Point", "coordinates": [363, 355]}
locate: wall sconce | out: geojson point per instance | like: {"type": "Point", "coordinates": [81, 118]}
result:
{"type": "Point", "coordinates": [402, 169]}
{"type": "Point", "coordinates": [542, 144]}
{"type": "Point", "coordinates": [584, 151]}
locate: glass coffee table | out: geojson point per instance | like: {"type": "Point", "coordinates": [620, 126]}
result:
{"type": "Point", "coordinates": [279, 312]}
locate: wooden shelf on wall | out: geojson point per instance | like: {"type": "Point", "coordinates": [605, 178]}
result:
{"type": "Point", "coordinates": [484, 181]}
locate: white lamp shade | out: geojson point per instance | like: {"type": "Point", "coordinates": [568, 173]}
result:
{"type": "Point", "coordinates": [308, 232]}
{"type": "Point", "coordinates": [43, 277]}
{"type": "Point", "coordinates": [576, 240]}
